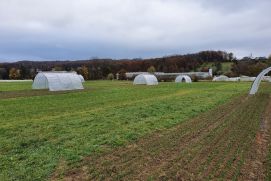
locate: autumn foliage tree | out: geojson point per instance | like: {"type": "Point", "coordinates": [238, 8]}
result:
{"type": "Point", "coordinates": [151, 69]}
{"type": "Point", "coordinates": [14, 73]}
{"type": "Point", "coordinates": [83, 71]}
{"type": "Point", "coordinates": [110, 76]}
{"type": "Point", "coordinates": [122, 74]}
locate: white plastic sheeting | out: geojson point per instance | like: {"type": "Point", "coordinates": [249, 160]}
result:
{"type": "Point", "coordinates": [247, 79]}
{"type": "Point", "coordinates": [225, 78]}
{"type": "Point", "coordinates": [57, 81]}
{"type": "Point", "coordinates": [234, 79]}
{"type": "Point", "coordinates": [221, 78]}
{"type": "Point", "coordinates": [183, 78]}
{"type": "Point", "coordinates": [81, 78]}
{"type": "Point", "coordinates": [146, 79]}
{"type": "Point", "coordinates": [267, 78]}
{"type": "Point", "coordinates": [257, 81]}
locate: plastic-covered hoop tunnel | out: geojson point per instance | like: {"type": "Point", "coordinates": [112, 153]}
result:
{"type": "Point", "coordinates": [257, 81]}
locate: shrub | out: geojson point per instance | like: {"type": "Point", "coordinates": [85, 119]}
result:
{"type": "Point", "coordinates": [110, 76]}
{"type": "Point", "coordinates": [194, 78]}
{"type": "Point", "coordinates": [122, 74]}
{"type": "Point", "coordinates": [151, 69]}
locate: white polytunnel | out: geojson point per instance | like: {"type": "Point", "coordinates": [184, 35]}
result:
{"type": "Point", "coordinates": [57, 81]}
{"type": "Point", "coordinates": [81, 78]}
{"type": "Point", "coordinates": [221, 78]}
{"type": "Point", "coordinates": [145, 79]}
{"type": "Point", "coordinates": [257, 81]}
{"type": "Point", "coordinates": [183, 78]}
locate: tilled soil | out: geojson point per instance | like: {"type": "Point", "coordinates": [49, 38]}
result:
{"type": "Point", "coordinates": [229, 142]}
{"type": "Point", "coordinates": [255, 165]}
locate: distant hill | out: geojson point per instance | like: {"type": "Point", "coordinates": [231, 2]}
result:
{"type": "Point", "coordinates": [221, 61]}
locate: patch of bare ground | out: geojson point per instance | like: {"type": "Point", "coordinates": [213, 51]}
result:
{"type": "Point", "coordinates": [255, 165]}
{"type": "Point", "coordinates": [210, 146]}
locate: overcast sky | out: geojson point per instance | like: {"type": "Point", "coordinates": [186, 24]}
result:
{"type": "Point", "coordinates": [82, 29]}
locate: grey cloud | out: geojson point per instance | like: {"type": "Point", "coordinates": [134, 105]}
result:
{"type": "Point", "coordinates": [78, 29]}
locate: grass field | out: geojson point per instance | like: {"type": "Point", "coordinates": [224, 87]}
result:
{"type": "Point", "coordinates": [47, 135]}
{"type": "Point", "coordinates": [225, 66]}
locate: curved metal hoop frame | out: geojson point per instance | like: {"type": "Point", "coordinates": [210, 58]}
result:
{"type": "Point", "coordinates": [257, 81]}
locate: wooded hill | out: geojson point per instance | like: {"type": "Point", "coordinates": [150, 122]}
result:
{"type": "Point", "coordinates": [101, 68]}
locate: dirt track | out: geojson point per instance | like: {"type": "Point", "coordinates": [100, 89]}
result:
{"type": "Point", "coordinates": [229, 142]}
{"type": "Point", "coordinates": [255, 166]}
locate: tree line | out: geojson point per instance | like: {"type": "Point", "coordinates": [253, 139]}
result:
{"type": "Point", "coordinates": [108, 68]}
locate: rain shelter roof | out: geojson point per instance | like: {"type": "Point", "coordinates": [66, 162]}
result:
{"type": "Point", "coordinates": [147, 79]}
{"type": "Point", "coordinates": [221, 78]}
{"type": "Point", "coordinates": [267, 78]}
{"type": "Point", "coordinates": [183, 78]}
{"type": "Point", "coordinates": [247, 78]}
{"type": "Point", "coordinates": [57, 81]}
{"type": "Point", "coordinates": [234, 79]}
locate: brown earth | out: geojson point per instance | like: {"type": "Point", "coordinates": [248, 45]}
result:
{"type": "Point", "coordinates": [255, 166]}
{"type": "Point", "coordinates": [226, 143]}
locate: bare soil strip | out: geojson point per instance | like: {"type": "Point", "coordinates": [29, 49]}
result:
{"type": "Point", "coordinates": [255, 166]}
{"type": "Point", "coordinates": [212, 146]}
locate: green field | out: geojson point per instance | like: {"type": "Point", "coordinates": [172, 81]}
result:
{"type": "Point", "coordinates": [225, 67]}
{"type": "Point", "coordinates": [40, 129]}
